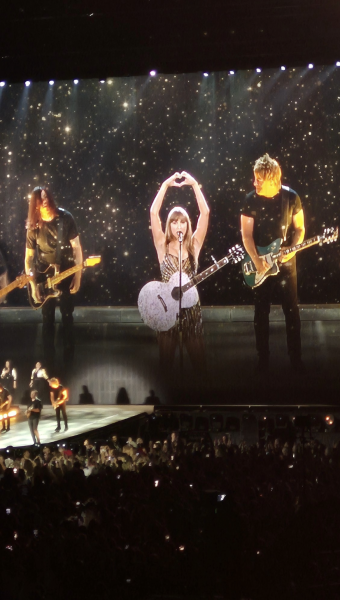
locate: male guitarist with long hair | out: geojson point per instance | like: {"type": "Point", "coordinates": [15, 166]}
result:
{"type": "Point", "coordinates": [53, 241]}
{"type": "Point", "coordinates": [274, 211]}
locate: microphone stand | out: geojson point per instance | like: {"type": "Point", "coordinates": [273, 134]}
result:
{"type": "Point", "coordinates": [180, 316]}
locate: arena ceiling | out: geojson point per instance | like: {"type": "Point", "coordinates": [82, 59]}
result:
{"type": "Point", "coordinates": [96, 38]}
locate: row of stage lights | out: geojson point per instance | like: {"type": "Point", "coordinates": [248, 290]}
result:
{"type": "Point", "coordinates": [153, 73]}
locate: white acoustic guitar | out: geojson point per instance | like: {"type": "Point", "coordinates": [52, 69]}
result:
{"type": "Point", "coordinates": [158, 303]}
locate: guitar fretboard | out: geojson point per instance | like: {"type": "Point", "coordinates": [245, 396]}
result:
{"type": "Point", "coordinates": [16, 283]}
{"type": "Point", "coordinates": [198, 278]}
{"type": "Point", "coordinates": [306, 244]}
{"type": "Point", "coordinates": [58, 278]}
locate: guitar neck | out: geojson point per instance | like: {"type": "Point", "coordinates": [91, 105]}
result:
{"type": "Point", "coordinates": [306, 244]}
{"type": "Point", "coordinates": [10, 287]}
{"type": "Point", "coordinates": [198, 278]}
{"type": "Point", "coordinates": [58, 278]}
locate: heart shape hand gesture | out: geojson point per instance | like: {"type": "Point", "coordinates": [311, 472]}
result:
{"type": "Point", "coordinates": [180, 179]}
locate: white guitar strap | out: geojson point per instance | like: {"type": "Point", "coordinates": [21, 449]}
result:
{"type": "Point", "coordinates": [59, 239]}
{"type": "Point", "coordinates": [285, 211]}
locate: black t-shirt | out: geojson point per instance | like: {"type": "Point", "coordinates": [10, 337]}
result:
{"type": "Point", "coordinates": [35, 404]}
{"type": "Point", "coordinates": [44, 240]}
{"type": "Point", "coordinates": [269, 218]}
{"type": "Point", "coordinates": [57, 392]}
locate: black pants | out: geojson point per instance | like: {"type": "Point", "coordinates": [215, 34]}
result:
{"type": "Point", "coordinates": [48, 312]}
{"type": "Point", "coordinates": [286, 282]}
{"type": "Point", "coordinates": [61, 408]}
{"type": "Point", "coordinates": [33, 425]}
{"type": "Point", "coordinates": [7, 421]}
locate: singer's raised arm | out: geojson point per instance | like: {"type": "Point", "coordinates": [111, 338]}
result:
{"type": "Point", "coordinates": [203, 220]}
{"type": "Point", "coordinates": [156, 225]}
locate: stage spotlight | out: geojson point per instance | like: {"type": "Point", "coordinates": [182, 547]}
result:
{"type": "Point", "coordinates": [231, 72]}
{"type": "Point", "coordinates": [153, 73]}
{"type": "Point", "coordinates": [337, 64]}
{"type": "Point", "coordinates": [2, 83]}
{"type": "Point", "coordinates": [329, 420]}
{"type": "Point", "coordinates": [76, 81]}
{"type": "Point", "coordinates": [51, 82]}
{"type": "Point", "coordinates": [310, 66]}
{"type": "Point", "coordinates": [205, 74]}
{"type": "Point", "coordinates": [27, 83]}
{"type": "Point", "coordinates": [102, 81]}
{"type": "Point", "coordinates": [283, 68]}
{"type": "Point", "coordinates": [258, 70]}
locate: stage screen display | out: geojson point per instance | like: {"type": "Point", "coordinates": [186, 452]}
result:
{"type": "Point", "coordinates": [104, 148]}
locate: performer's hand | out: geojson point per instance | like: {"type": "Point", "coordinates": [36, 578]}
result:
{"type": "Point", "coordinates": [287, 257]}
{"type": "Point", "coordinates": [172, 181]}
{"type": "Point", "coordinates": [188, 179]}
{"type": "Point", "coordinates": [261, 265]}
{"type": "Point", "coordinates": [35, 293]}
{"type": "Point", "coordinates": [75, 284]}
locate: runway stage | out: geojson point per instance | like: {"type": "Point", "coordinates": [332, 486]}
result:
{"type": "Point", "coordinates": [115, 351]}
{"type": "Point", "coordinates": [82, 420]}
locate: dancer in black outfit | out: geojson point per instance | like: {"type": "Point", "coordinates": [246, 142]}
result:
{"type": "Point", "coordinates": [39, 382]}
{"type": "Point", "coordinates": [52, 238]}
{"type": "Point", "coordinates": [271, 212]}
{"type": "Point", "coordinates": [9, 377]}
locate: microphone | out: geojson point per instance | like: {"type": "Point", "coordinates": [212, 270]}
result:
{"type": "Point", "coordinates": [180, 236]}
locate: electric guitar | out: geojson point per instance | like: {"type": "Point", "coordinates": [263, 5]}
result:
{"type": "Point", "coordinates": [47, 288]}
{"type": "Point", "coordinates": [62, 398]}
{"type": "Point", "coordinates": [18, 282]}
{"type": "Point", "coordinates": [158, 303]}
{"type": "Point", "coordinates": [273, 252]}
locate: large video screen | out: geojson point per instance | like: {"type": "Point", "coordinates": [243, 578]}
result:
{"type": "Point", "coordinates": [104, 148]}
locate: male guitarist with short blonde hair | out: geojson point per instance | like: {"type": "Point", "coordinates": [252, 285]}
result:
{"type": "Point", "coordinates": [52, 239]}
{"type": "Point", "coordinates": [273, 211]}
{"type": "Point", "coordinates": [59, 396]}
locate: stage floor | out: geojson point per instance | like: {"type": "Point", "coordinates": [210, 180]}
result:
{"type": "Point", "coordinates": [81, 420]}
{"type": "Point", "coordinates": [117, 357]}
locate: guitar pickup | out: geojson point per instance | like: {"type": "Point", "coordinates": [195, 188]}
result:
{"type": "Point", "coordinates": [249, 268]}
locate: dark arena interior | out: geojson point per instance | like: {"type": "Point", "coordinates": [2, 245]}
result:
{"type": "Point", "coordinates": [188, 461]}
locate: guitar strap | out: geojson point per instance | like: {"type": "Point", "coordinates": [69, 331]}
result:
{"type": "Point", "coordinates": [285, 212]}
{"type": "Point", "coordinates": [59, 238]}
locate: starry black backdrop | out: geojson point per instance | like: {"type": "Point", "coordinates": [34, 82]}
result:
{"type": "Point", "coordinates": [104, 148]}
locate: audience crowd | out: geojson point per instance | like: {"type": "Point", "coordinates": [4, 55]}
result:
{"type": "Point", "coordinates": [179, 515]}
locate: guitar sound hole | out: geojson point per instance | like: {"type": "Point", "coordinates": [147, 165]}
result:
{"type": "Point", "coordinates": [175, 293]}
{"type": "Point", "coordinates": [163, 303]}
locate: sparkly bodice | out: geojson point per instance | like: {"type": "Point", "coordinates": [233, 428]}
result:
{"type": "Point", "coordinates": [170, 265]}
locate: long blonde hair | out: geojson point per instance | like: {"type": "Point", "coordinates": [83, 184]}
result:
{"type": "Point", "coordinates": [176, 213]}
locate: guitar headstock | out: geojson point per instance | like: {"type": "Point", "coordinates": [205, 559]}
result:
{"type": "Point", "coordinates": [236, 254]}
{"type": "Point", "coordinates": [91, 261]}
{"type": "Point", "coordinates": [329, 235]}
